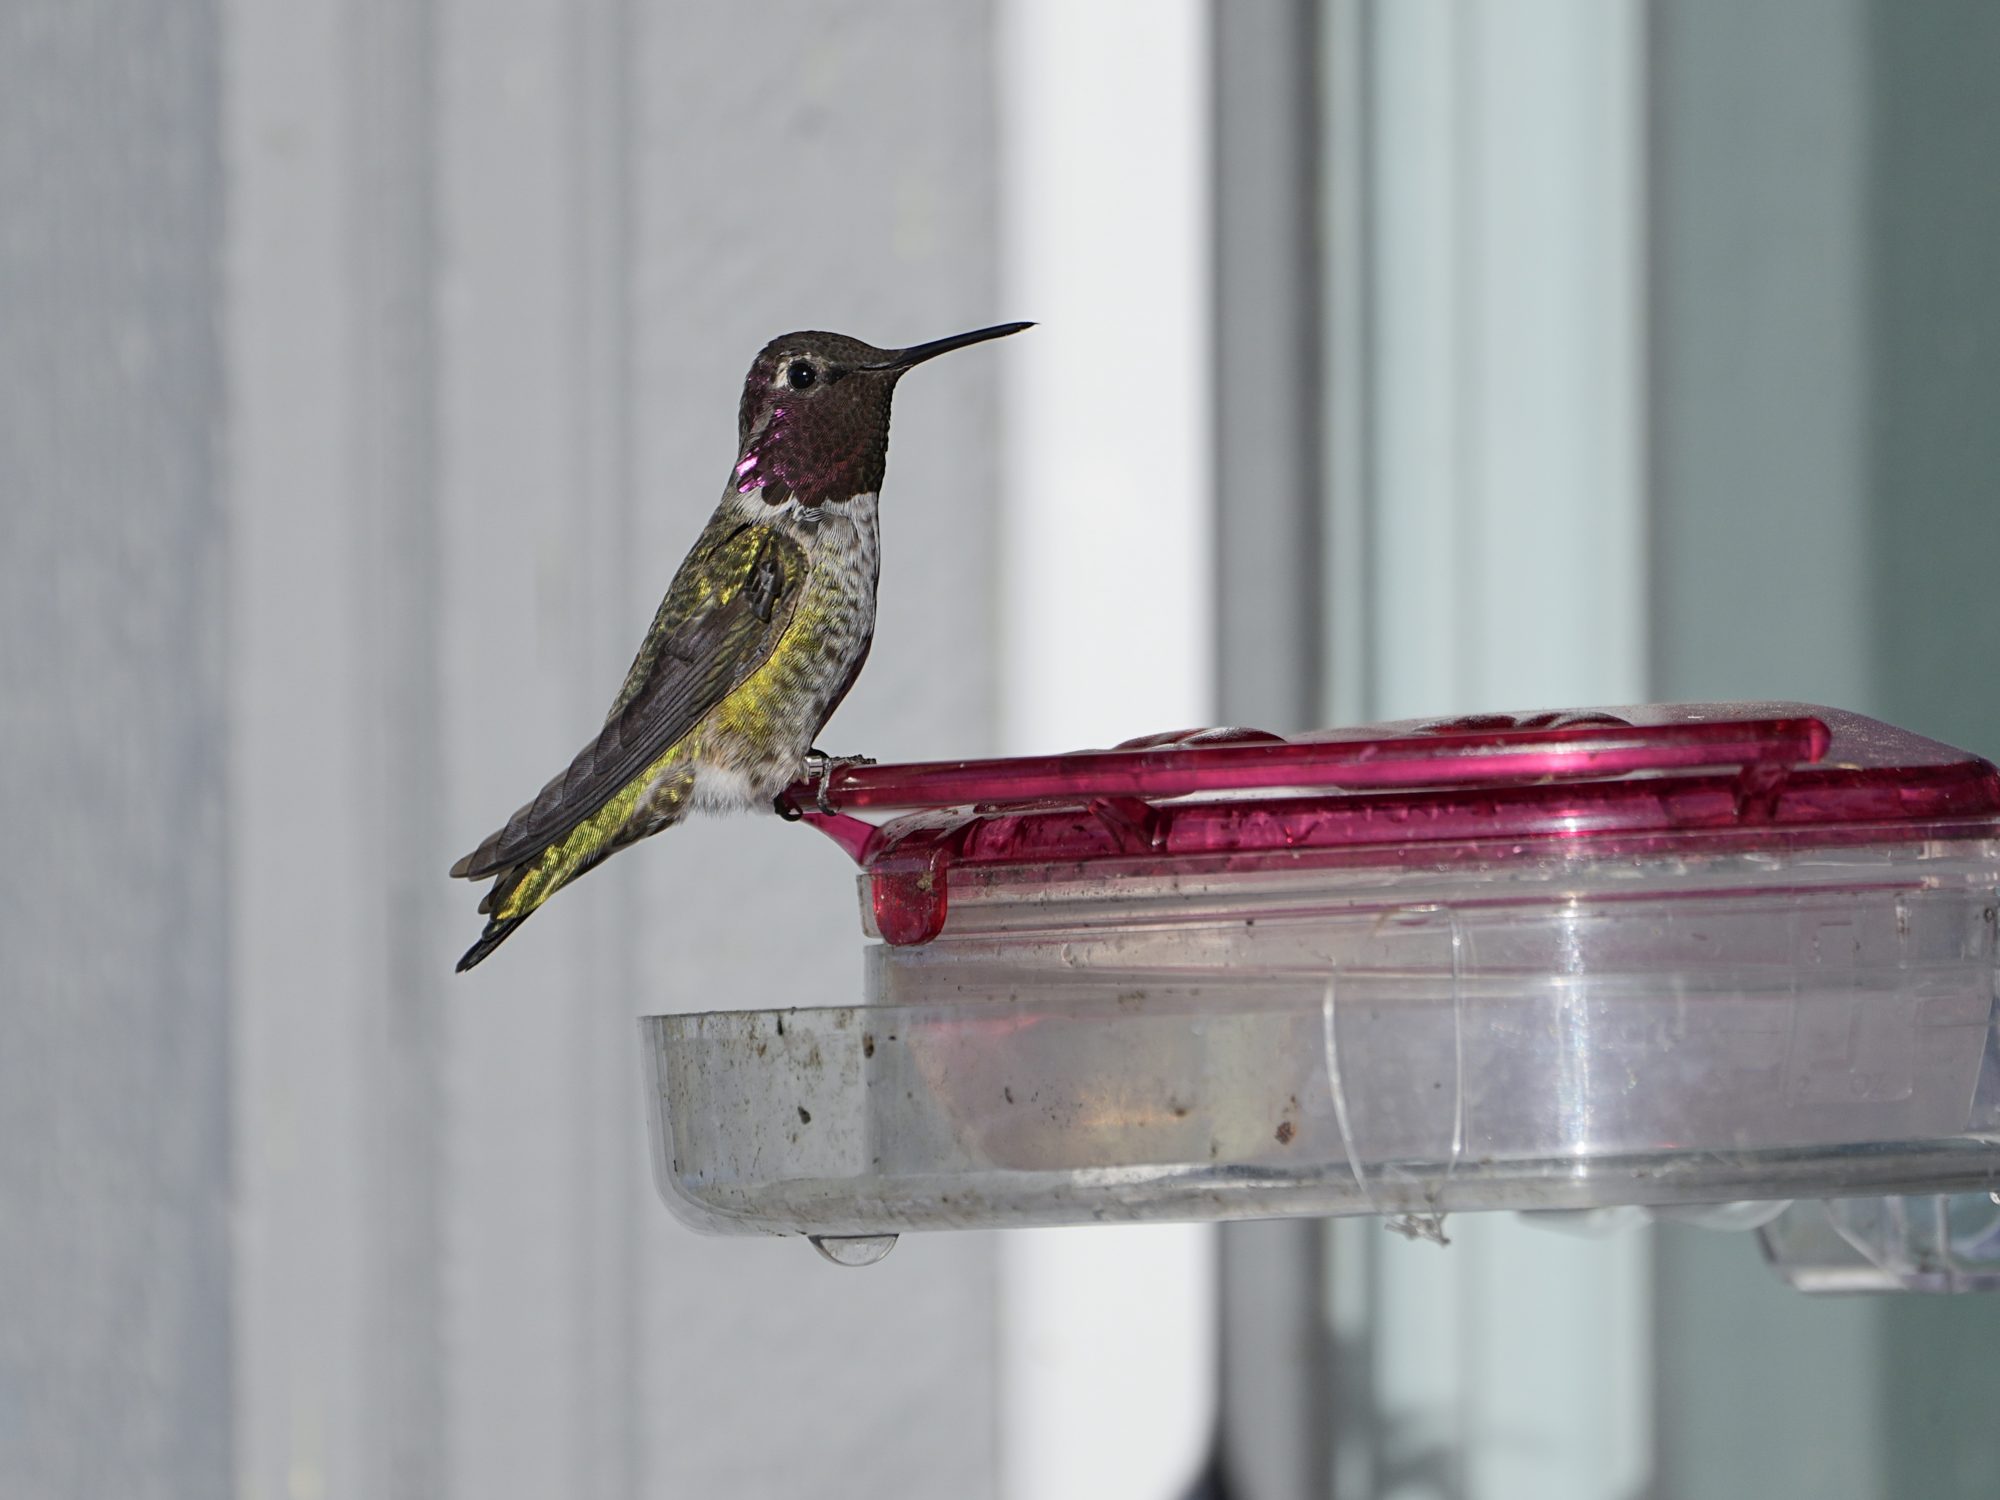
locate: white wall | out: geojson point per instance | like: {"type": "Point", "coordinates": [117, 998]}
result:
{"type": "Point", "coordinates": [366, 370]}
{"type": "Point", "coordinates": [114, 1151]}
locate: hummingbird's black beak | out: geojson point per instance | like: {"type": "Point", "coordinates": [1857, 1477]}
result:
{"type": "Point", "coordinates": [916, 354]}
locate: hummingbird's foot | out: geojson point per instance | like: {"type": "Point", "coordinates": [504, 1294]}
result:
{"type": "Point", "coordinates": [784, 809]}
{"type": "Point", "coordinates": [820, 768]}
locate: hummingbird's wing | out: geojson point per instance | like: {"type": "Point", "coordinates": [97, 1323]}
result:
{"type": "Point", "coordinates": [725, 612]}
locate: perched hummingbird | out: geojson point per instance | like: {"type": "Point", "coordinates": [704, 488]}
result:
{"type": "Point", "coordinates": [762, 632]}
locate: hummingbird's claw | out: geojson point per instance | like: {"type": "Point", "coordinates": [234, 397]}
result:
{"type": "Point", "coordinates": [820, 768]}
{"type": "Point", "coordinates": [781, 805]}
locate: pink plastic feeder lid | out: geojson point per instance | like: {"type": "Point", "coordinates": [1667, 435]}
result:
{"type": "Point", "coordinates": [1590, 782]}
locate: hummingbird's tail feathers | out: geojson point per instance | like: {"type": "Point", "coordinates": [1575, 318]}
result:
{"type": "Point", "coordinates": [497, 932]}
{"type": "Point", "coordinates": [518, 893]}
{"type": "Point", "coordinates": [499, 899]}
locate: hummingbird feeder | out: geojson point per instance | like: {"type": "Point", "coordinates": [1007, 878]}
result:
{"type": "Point", "coordinates": [1654, 957]}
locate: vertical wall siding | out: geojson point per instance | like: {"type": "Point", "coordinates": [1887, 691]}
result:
{"type": "Point", "coordinates": [334, 765]}
{"type": "Point", "coordinates": [495, 273]}
{"type": "Point", "coordinates": [366, 370]}
{"type": "Point", "coordinates": [114, 1258]}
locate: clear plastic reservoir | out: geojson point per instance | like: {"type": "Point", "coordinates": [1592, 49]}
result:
{"type": "Point", "coordinates": [1635, 976]}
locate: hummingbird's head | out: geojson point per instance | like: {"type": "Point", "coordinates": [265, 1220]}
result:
{"type": "Point", "coordinates": [814, 421]}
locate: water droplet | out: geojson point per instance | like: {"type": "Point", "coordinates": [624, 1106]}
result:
{"type": "Point", "coordinates": [853, 1249]}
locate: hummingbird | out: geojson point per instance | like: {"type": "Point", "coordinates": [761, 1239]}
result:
{"type": "Point", "coordinates": [762, 632]}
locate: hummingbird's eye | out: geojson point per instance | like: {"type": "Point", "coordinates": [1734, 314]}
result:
{"type": "Point", "coordinates": [800, 374]}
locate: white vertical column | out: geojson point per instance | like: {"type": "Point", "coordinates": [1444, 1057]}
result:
{"type": "Point", "coordinates": [1107, 595]}
{"type": "Point", "coordinates": [1503, 234]}
{"type": "Point", "coordinates": [305, 959]}
{"type": "Point", "coordinates": [1106, 627]}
